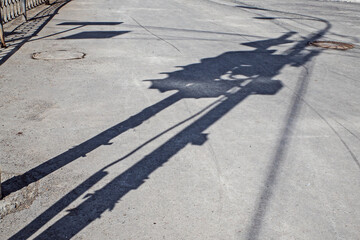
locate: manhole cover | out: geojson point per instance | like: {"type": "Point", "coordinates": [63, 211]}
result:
{"type": "Point", "coordinates": [332, 45]}
{"type": "Point", "coordinates": [58, 55]}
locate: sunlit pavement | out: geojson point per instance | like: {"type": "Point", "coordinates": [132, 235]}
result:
{"type": "Point", "coordinates": [182, 119]}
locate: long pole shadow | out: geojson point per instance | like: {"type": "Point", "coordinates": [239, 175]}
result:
{"type": "Point", "coordinates": [18, 182]}
{"type": "Point", "coordinates": [279, 155]}
{"type": "Point", "coordinates": [199, 80]}
{"type": "Point", "coordinates": [74, 194]}
{"type": "Point", "coordinates": [106, 198]}
{"type": "Point", "coordinates": [37, 173]}
{"type": "Point", "coordinates": [277, 161]}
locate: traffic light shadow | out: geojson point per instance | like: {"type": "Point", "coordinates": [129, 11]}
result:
{"type": "Point", "coordinates": [233, 76]}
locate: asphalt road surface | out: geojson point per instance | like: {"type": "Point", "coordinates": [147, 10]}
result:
{"type": "Point", "coordinates": [182, 119]}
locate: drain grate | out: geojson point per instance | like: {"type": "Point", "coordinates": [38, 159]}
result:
{"type": "Point", "coordinates": [332, 45]}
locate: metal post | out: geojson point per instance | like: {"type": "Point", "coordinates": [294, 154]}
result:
{"type": "Point", "coordinates": [2, 38]}
{"type": "Point", "coordinates": [0, 185]}
{"type": "Point", "coordinates": [23, 9]}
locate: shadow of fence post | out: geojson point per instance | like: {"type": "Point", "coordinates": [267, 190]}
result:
{"type": "Point", "coordinates": [0, 184]}
{"type": "Point", "coordinates": [9, 10]}
{"type": "Point", "coordinates": [2, 36]}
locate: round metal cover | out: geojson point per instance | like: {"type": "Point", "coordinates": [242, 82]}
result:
{"type": "Point", "coordinates": [332, 45]}
{"type": "Point", "coordinates": [58, 55]}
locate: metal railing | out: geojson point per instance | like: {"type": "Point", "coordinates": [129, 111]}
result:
{"type": "Point", "coordinates": [11, 9]}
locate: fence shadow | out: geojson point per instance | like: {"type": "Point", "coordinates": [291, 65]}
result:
{"type": "Point", "coordinates": [21, 34]}
{"type": "Point", "coordinates": [95, 35]}
{"type": "Point", "coordinates": [232, 75]}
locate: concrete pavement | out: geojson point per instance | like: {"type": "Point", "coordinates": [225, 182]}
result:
{"type": "Point", "coordinates": [184, 120]}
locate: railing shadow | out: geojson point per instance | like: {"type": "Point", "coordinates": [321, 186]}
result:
{"type": "Point", "coordinates": [21, 34]}
{"type": "Point", "coordinates": [95, 35]}
{"type": "Point", "coordinates": [77, 25]}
